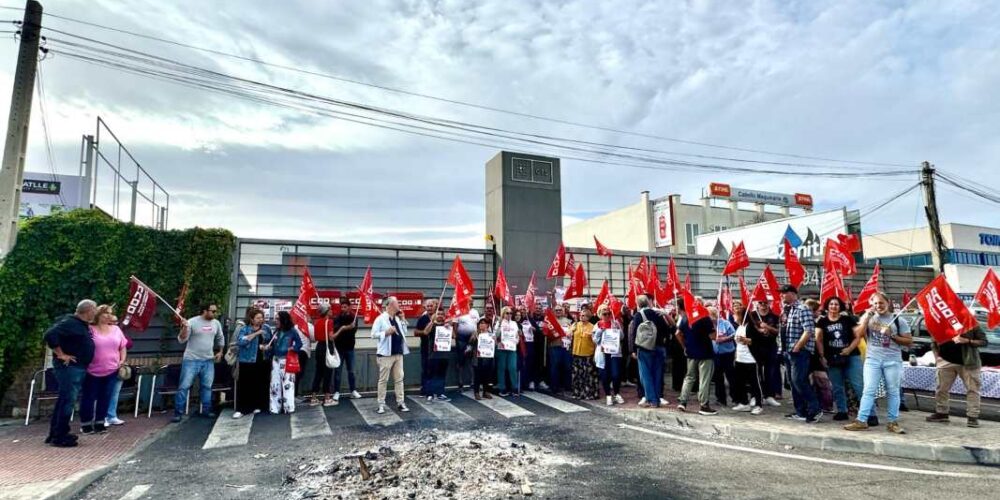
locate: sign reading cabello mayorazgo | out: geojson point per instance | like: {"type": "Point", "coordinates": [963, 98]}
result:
{"type": "Point", "coordinates": [727, 192]}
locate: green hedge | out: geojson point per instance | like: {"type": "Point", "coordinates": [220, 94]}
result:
{"type": "Point", "coordinates": [61, 259]}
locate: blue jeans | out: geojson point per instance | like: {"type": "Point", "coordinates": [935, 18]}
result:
{"type": "Point", "coordinates": [506, 368]}
{"type": "Point", "coordinates": [438, 372]}
{"type": "Point", "coordinates": [204, 369]}
{"type": "Point", "coordinates": [560, 369]}
{"type": "Point", "coordinates": [850, 373]}
{"type": "Point", "coordinates": [69, 378]}
{"type": "Point", "coordinates": [95, 398]}
{"type": "Point", "coordinates": [528, 363]}
{"type": "Point", "coordinates": [347, 363]}
{"type": "Point", "coordinates": [876, 369]}
{"type": "Point", "coordinates": [113, 404]}
{"type": "Point", "coordinates": [651, 373]}
{"type": "Point", "coordinates": [611, 375]}
{"type": "Point", "coordinates": [806, 403]}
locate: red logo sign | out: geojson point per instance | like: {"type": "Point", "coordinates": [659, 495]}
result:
{"type": "Point", "coordinates": [663, 227]}
{"type": "Point", "coordinates": [805, 200]}
{"type": "Point", "coordinates": [719, 189]}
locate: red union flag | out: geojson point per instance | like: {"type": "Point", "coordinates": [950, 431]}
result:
{"type": "Point", "coordinates": [300, 311]}
{"type": "Point", "coordinates": [181, 298]}
{"type": "Point", "coordinates": [796, 273]}
{"type": "Point", "coordinates": [672, 277]}
{"type": "Point", "coordinates": [459, 278]}
{"type": "Point", "coordinates": [458, 307]}
{"type": "Point", "coordinates": [861, 302]}
{"type": "Point", "coordinates": [850, 242]}
{"type": "Point", "coordinates": [907, 298]}
{"type": "Point", "coordinates": [837, 259]}
{"type": "Point", "coordinates": [767, 290]}
{"type": "Point", "coordinates": [603, 297]}
{"type": "Point", "coordinates": [744, 293]}
{"type": "Point", "coordinates": [570, 265]}
{"type": "Point", "coordinates": [140, 307]}
{"type": "Point", "coordinates": [694, 310]}
{"type": "Point", "coordinates": [945, 316]}
{"type": "Point", "coordinates": [576, 284]}
{"type": "Point", "coordinates": [366, 305]}
{"type": "Point", "coordinates": [601, 249]}
{"type": "Point", "coordinates": [501, 290]}
{"type": "Point", "coordinates": [687, 282]}
{"type": "Point", "coordinates": [832, 286]}
{"type": "Point", "coordinates": [989, 297]}
{"type": "Point", "coordinates": [529, 293]}
{"type": "Point", "coordinates": [725, 298]}
{"type": "Point", "coordinates": [552, 328]}
{"type": "Point", "coordinates": [738, 260]}
{"type": "Point", "coordinates": [558, 267]}
{"type": "Point", "coordinates": [653, 281]}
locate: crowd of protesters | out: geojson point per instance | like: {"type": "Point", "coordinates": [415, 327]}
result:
{"type": "Point", "coordinates": [834, 362]}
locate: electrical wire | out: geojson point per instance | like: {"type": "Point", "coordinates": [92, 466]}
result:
{"type": "Point", "coordinates": [45, 129]}
{"type": "Point", "coordinates": [473, 105]}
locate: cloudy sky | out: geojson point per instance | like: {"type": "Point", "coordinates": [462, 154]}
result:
{"type": "Point", "coordinates": [894, 82]}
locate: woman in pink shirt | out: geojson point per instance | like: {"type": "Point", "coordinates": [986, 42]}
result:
{"type": "Point", "coordinates": [102, 372]}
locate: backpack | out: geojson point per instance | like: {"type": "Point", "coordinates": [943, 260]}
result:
{"type": "Point", "coordinates": [645, 333]}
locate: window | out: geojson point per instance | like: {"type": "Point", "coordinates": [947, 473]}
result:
{"type": "Point", "coordinates": [691, 231]}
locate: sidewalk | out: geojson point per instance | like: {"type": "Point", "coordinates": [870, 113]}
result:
{"type": "Point", "coordinates": [952, 442]}
{"type": "Point", "coordinates": [29, 468]}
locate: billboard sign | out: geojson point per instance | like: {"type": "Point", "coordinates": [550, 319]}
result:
{"type": "Point", "coordinates": [807, 234]}
{"type": "Point", "coordinates": [727, 192]}
{"type": "Point", "coordinates": [46, 194]}
{"type": "Point", "coordinates": [663, 223]}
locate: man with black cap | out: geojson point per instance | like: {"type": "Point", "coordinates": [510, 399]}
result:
{"type": "Point", "coordinates": [797, 329]}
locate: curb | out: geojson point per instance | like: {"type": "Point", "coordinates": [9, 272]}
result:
{"type": "Point", "coordinates": [917, 451]}
{"type": "Point", "coordinates": [85, 479]}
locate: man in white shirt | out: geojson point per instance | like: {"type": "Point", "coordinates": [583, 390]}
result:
{"type": "Point", "coordinates": [389, 331]}
{"type": "Point", "coordinates": [460, 360]}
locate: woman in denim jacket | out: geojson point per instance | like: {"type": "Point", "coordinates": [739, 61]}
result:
{"type": "Point", "coordinates": [254, 370]}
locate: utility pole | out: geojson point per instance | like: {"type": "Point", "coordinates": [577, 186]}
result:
{"type": "Point", "coordinates": [938, 250]}
{"type": "Point", "coordinates": [12, 168]}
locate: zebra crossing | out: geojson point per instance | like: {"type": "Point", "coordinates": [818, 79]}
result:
{"type": "Point", "coordinates": [318, 421]}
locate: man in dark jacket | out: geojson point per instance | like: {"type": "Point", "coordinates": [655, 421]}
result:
{"type": "Point", "coordinates": [72, 350]}
{"type": "Point", "coordinates": [959, 358]}
{"type": "Point", "coordinates": [651, 361]}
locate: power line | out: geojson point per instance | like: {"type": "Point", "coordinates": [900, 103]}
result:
{"type": "Point", "coordinates": [209, 78]}
{"type": "Point", "coordinates": [469, 104]}
{"type": "Point", "coordinates": [45, 129]}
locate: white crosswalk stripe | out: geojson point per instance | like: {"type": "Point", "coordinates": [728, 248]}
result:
{"type": "Point", "coordinates": [229, 431]}
{"type": "Point", "coordinates": [309, 421]}
{"type": "Point", "coordinates": [501, 406]}
{"type": "Point", "coordinates": [556, 403]}
{"type": "Point", "coordinates": [136, 492]}
{"type": "Point", "coordinates": [440, 409]}
{"type": "Point", "coordinates": [367, 406]}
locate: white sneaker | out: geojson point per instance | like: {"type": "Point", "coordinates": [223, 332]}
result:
{"type": "Point", "coordinates": [742, 407]}
{"type": "Point", "coordinates": [237, 415]}
{"type": "Point", "coordinates": [402, 408]}
{"type": "Point", "coordinates": [355, 395]}
{"type": "Point", "coordinates": [531, 386]}
{"type": "Point", "coordinates": [756, 410]}
{"type": "Point", "coordinates": [256, 411]}
{"type": "Point", "coordinates": [619, 399]}
{"type": "Point", "coordinates": [114, 421]}
{"type": "Point", "coordinates": [753, 401]}
{"type": "Point", "coordinates": [430, 399]}
{"type": "Point", "coordinates": [610, 401]}
{"type": "Point", "coordinates": [772, 402]}
{"type": "Point", "coordinates": [336, 396]}
{"type": "Point", "coordinates": [642, 401]}
{"type": "Point", "coordinates": [543, 386]}
{"type": "Point", "coordinates": [380, 410]}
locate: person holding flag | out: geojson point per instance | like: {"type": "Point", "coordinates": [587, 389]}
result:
{"type": "Point", "coordinates": [508, 334]}
{"type": "Point", "coordinates": [345, 329]}
{"type": "Point", "coordinates": [798, 325]}
{"type": "Point", "coordinates": [442, 338]}
{"type": "Point", "coordinates": [885, 334]}
{"type": "Point", "coordinates": [762, 328]}
{"type": "Point", "coordinates": [254, 365]}
{"type": "Point", "coordinates": [960, 359]}
{"type": "Point", "coordinates": [584, 378]}
{"type": "Point", "coordinates": [389, 331]}
{"type": "Point", "coordinates": [697, 334]}
{"type": "Point", "coordinates": [555, 327]}
{"type": "Point", "coordinates": [202, 335]}
{"type": "Point", "coordinates": [607, 338]}
{"type": "Point", "coordinates": [482, 345]}
{"type": "Point", "coordinates": [837, 346]}
{"type": "Point", "coordinates": [287, 339]}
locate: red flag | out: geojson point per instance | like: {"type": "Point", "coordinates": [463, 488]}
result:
{"type": "Point", "coordinates": [457, 308]}
{"type": "Point", "coordinates": [725, 299]}
{"type": "Point", "coordinates": [601, 249]}
{"type": "Point", "coordinates": [767, 290]}
{"type": "Point", "coordinates": [861, 302]}
{"type": "Point", "coordinates": [180, 304]}
{"type": "Point", "coordinates": [554, 329]}
{"type": "Point", "coordinates": [140, 307]}
{"type": "Point", "coordinates": [501, 290]}
{"type": "Point", "coordinates": [832, 286]}
{"type": "Point", "coordinates": [633, 291]}
{"type": "Point", "coordinates": [459, 278]}
{"type": "Point", "coordinates": [850, 242]}
{"type": "Point", "coordinates": [301, 312]}
{"type": "Point", "coordinates": [603, 297]}
{"type": "Point", "coordinates": [907, 298]}
{"type": "Point", "coordinates": [687, 282]}
{"type": "Point", "coordinates": [570, 266]}
{"type": "Point", "coordinates": [695, 311]}
{"type": "Point", "coordinates": [576, 284]}
{"type": "Point", "coordinates": [945, 315]}
{"type": "Point", "coordinates": [672, 278]}
{"type": "Point", "coordinates": [366, 303]}
{"type": "Point", "coordinates": [616, 306]}
{"type": "Point", "coordinates": [989, 297]}
{"type": "Point", "coordinates": [558, 266]}
{"type": "Point", "coordinates": [529, 293]}
{"type": "Point", "coordinates": [738, 260]}
{"type": "Point", "coordinates": [838, 260]}
{"type": "Point", "coordinates": [652, 281]}
{"type": "Point", "coordinates": [796, 273]}
{"type": "Point", "coordinates": [744, 293]}
{"type": "Point", "coordinates": [641, 272]}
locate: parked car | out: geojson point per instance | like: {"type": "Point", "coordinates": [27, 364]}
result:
{"type": "Point", "coordinates": [922, 339]}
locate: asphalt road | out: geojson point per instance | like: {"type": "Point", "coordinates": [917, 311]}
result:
{"type": "Point", "coordinates": [617, 462]}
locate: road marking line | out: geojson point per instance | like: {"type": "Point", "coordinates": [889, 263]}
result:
{"type": "Point", "coordinates": [367, 406]}
{"type": "Point", "coordinates": [229, 431]}
{"type": "Point", "coordinates": [136, 492]}
{"type": "Point", "coordinates": [310, 421]}
{"type": "Point", "coordinates": [806, 458]}
{"type": "Point", "coordinates": [501, 406]}
{"type": "Point", "coordinates": [440, 409]}
{"type": "Point", "coordinates": [558, 404]}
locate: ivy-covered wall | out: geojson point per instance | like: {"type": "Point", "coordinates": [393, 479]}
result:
{"type": "Point", "coordinates": [62, 259]}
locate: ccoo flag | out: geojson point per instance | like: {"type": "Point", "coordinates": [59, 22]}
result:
{"type": "Point", "coordinates": [945, 315]}
{"type": "Point", "coordinates": [738, 260]}
{"type": "Point", "coordinates": [501, 290]}
{"type": "Point", "coordinates": [862, 301]}
{"type": "Point", "coordinates": [989, 297]}
{"type": "Point", "coordinates": [141, 305]}
{"type": "Point", "coordinates": [601, 249]}
{"type": "Point", "coordinates": [796, 273]}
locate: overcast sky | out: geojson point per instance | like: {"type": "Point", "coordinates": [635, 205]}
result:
{"type": "Point", "coordinates": [896, 82]}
